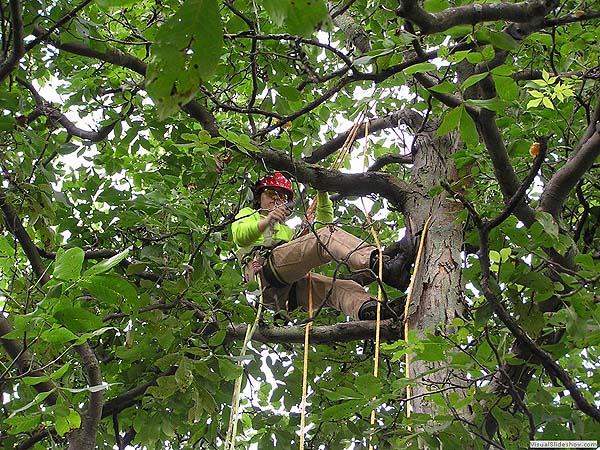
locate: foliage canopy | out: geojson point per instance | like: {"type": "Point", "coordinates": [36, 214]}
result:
{"type": "Point", "coordinates": [130, 135]}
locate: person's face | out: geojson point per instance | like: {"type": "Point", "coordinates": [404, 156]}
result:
{"type": "Point", "coordinates": [271, 198]}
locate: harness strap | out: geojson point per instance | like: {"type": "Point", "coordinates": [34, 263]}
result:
{"type": "Point", "coordinates": [271, 274]}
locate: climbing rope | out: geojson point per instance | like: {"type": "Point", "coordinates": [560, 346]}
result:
{"type": "Point", "coordinates": [406, 307]}
{"type": "Point", "coordinates": [379, 289]}
{"type": "Point", "coordinates": [235, 400]}
{"type": "Point", "coordinates": [378, 321]}
{"type": "Point", "coordinates": [309, 216]}
{"type": "Point", "coordinates": [305, 366]}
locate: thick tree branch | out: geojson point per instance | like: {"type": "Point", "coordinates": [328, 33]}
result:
{"type": "Point", "coordinates": [45, 108]}
{"type": "Point", "coordinates": [566, 178]}
{"type": "Point", "coordinates": [410, 117]}
{"type": "Point", "coordinates": [430, 23]}
{"type": "Point", "coordinates": [327, 334]}
{"type": "Point", "coordinates": [15, 226]}
{"type": "Point", "coordinates": [355, 33]}
{"type": "Point", "coordinates": [360, 184]}
{"type": "Point", "coordinates": [84, 438]}
{"type": "Point", "coordinates": [18, 48]}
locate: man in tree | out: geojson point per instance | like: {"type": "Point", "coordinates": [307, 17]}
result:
{"type": "Point", "coordinates": [266, 246]}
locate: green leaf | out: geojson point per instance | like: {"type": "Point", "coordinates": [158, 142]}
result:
{"type": "Point", "coordinates": [472, 80]}
{"type": "Point", "coordinates": [39, 398]}
{"type": "Point", "coordinates": [493, 104]}
{"type": "Point", "coordinates": [435, 5]}
{"type": "Point", "coordinates": [135, 268]}
{"type": "Point", "coordinates": [368, 385]}
{"type": "Point", "coordinates": [494, 256]}
{"type": "Point", "coordinates": [106, 4]}
{"type": "Point", "coordinates": [499, 39]}
{"type": "Point", "coordinates": [534, 103]}
{"type": "Point", "coordinates": [444, 88]}
{"type": "Point", "coordinates": [217, 338]}
{"type": "Point", "coordinates": [107, 264]}
{"type": "Point", "coordinates": [32, 381]}
{"type": "Point", "coordinates": [420, 68]}
{"type": "Point", "coordinates": [548, 223]}
{"type": "Point", "coordinates": [299, 17]}
{"type": "Point", "coordinates": [343, 410]}
{"type": "Point", "coordinates": [58, 335]}
{"type": "Point", "coordinates": [101, 292]}
{"type": "Point", "coordinates": [7, 123]}
{"type": "Point", "coordinates": [184, 376]}
{"type": "Point", "coordinates": [22, 424]}
{"type": "Point", "coordinates": [229, 370]}
{"type": "Point", "coordinates": [547, 103]}
{"type": "Point", "coordinates": [451, 121]}
{"type": "Point", "coordinates": [65, 423]}
{"type": "Point", "coordinates": [68, 264]}
{"type": "Point", "coordinates": [78, 319]}
{"type": "Point", "coordinates": [67, 148]}
{"type": "Point", "coordinates": [60, 372]}
{"type": "Point", "coordinates": [186, 51]}
{"type": "Point", "coordinates": [468, 129]}
{"type": "Point", "coordinates": [506, 87]}
{"type": "Point", "coordinates": [167, 386]}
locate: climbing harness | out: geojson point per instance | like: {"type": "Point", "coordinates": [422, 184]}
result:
{"type": "Point", "coordinates": [406, 307]}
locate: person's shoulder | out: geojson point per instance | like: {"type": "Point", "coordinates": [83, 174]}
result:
{"type": "Point", "coordinates": [245, 212]}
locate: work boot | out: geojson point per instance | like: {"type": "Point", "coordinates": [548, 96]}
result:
{"type": "Point", "coordinates": [396, 270]}
{"type": "Point", "coordinates": [394, 309]}
{"type": "Point", "coordinates": [397, 261]}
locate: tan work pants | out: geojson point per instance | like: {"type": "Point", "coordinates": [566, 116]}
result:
{"type": "Point", "coordinates": [295, 259]}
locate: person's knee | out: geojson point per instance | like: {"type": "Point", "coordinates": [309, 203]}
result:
{"type": "Point", "coordinates": [325, 232]}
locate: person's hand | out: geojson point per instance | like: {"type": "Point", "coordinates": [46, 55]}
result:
{"type": "Point", "coordinates": [278, 214]}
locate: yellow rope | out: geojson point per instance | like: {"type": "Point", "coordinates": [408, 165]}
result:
{"type": "Point", "coordinates": [406, 306]}
{"type": "Point", "coordinates": [235, 400]}
{"type": "Point", "coordinates": [305, 367]}
{"type": "Point", "coordinates": [379, 290]}
{"type": "Point", "coordinates": [378, 323]}
{"type": "Point", "coordinates": [308, 218]}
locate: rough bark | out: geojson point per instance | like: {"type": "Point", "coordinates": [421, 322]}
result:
{"type": "Point", "coordinates": [436, 296]}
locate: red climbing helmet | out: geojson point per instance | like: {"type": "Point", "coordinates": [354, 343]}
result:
{"type": "Point", "coordinates": [275, 180]}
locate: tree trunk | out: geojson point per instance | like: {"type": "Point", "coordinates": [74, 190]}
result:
{"type": "Point", "coordinates": [437, 293]}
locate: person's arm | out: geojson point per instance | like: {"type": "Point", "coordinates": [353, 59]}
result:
{"type": "Point", "coordinates": [324, 213]}
{"type": "Point", "coordinates": [248, 229]}
{"type": "Point", "coordinates": [245, 230]}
